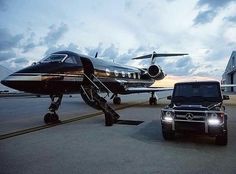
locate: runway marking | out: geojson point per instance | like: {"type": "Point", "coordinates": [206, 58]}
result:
{"type": "Point", "coordinates": [83, 117]}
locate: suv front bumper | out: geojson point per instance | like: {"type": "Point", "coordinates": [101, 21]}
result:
{"type": "Point", "coordinates": [193, 127]}
{"type": "Point", "coordinates": [196, 125]}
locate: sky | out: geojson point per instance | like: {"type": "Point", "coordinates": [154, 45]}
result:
{"type": "Point", "coordinates": [120, 30]}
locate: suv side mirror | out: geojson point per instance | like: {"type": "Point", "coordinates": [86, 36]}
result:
{"type": "Point", "coordinates": [225, 97]}
{"type": "Point", "coordinates": [169, 97]}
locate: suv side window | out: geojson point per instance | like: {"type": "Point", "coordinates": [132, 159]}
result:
{"type": "Point", "coordinates": [71, 60]}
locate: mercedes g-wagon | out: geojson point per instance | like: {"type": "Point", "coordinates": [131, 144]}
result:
{"type": "Point", "coordinates": [196, 107]}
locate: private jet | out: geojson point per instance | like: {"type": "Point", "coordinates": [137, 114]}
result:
{"type": "Point", "coordinates": [66, 72]}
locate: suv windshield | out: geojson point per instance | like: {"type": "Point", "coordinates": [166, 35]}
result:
{"type": "Point", "coordinates": [197, 92]}
{"type": "Point", "coordinates": [54, 58]}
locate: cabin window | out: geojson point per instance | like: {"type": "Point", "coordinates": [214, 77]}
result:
{"type": "Point", "coordinates": [116, 73]}
{"type": "Point", "coordinates": [138, 75]}
{"type": "Point", "coordinates": [123, 74]}
{"type": "Point", "coordinates": [129, 75]}
{"type": "Point", "coordinates": [108, 72]}
{"type": "Point", "coordinates": [71, 60]}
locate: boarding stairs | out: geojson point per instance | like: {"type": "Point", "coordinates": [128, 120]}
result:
{"type": "Point", "coordinates": [92, 90]}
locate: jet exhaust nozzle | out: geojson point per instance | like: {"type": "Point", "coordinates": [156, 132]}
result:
{"type": "Point", "coordinates": [155, 72]}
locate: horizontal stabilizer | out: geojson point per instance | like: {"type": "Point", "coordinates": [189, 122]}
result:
{"type": "Point", "coordinates": [151, 56]}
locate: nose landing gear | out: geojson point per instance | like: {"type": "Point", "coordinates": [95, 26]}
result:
{"type": "Point", "coordinates": [153, 99]}
{"type": "Point", "coordinates": [52, 117]}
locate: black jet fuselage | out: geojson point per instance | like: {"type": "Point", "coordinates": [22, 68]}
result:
{"type": "Point", "coordinates": [64, 73]}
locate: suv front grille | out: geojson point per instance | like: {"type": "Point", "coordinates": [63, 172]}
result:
{"type": "Point", "coordinates": [196, 116]}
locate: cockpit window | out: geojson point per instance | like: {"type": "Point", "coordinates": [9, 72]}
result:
{"type": "Point", "coordinates": [54, 58]}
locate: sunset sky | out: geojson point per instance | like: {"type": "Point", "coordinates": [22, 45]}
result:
{"type": "Point", "coordinates": [120, 30]}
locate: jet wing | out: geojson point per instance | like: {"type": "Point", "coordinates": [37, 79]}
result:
{"type": "Point", "coordinates": [146, 90]}
{"type": "Point", "coordinates": [227, 85]}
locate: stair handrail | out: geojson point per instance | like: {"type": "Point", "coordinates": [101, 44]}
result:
{"type": "Point", "coordinates": [85, 92]}
{"type": "Point", "coordinates": [91, 81]}
{"type": "Point", "coordinates": [109, 91]}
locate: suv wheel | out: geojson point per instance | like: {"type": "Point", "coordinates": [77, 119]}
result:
{"type": "Point", "coordinates": [222, 139]}
{"type": "Point", "coordinates": [168, 135]}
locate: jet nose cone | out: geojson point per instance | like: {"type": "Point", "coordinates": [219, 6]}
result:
{"type": "Point", "coordinates": [11, 81]}
{"type": "Point", "coordinates": [5, 82]}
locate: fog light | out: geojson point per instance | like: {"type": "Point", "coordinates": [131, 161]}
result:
{"type": "Point", "coordinates": [213, 121]}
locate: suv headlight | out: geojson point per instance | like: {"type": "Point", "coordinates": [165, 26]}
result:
{"type": "Point", "coordinates": [168, 116]}
{"type": "Point", "coordinates": [213, 119]}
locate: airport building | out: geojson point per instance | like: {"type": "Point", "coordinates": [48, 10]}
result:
{"type": "Point", "coordinates": [229, 76]}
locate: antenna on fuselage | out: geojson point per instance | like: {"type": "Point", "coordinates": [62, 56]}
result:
{"type": "Point", "coordinates": [96, 55]}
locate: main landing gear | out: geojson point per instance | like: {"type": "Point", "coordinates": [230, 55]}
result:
{"type": "Point", "coordinates": [116, 100]}
{"type": "Point", "coordinates": [52, 117]}
{"type": "Point", "coordinates": [153, 99]}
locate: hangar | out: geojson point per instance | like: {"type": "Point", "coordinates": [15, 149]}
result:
{"type": "Point", "coordinates": [229, 76]}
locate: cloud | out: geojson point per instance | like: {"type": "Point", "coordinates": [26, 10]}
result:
{"type": "Point", "coordinates": [9, 41]}
{"type": "Point", "coordinates": [170, 80]}
{"type": "Point", "coordinates": [6, 55]}
{"type": "Point", "coordinates": [3, 5]}
{"type": "Point", "coordinates": [91, 51]}
{"type": "Point", "coordinates": [111, 51]}
{"type": "Point", "coordinates": [20, 61]}
{"type": "Point", "coordinates": [128, 4]}
{"type": "Point", "coordinates": [180, 66]}
{"type": "Point", "coordinates": [71, 47]}
{"type": "Point", "coordinates": [214, 4]}
{"type": "Point", "coordinates": [204, 17]}
{"type": "Point", "coordinates": [55, 33]}
{"type": "Point", "coordinates": [231, 19]}
{"type": "Point", "coordinates": [29, 47]}
{"type": "Point", "coordinates": [29, 44]}
{"type": "Point", "coordinates": [213, 7]}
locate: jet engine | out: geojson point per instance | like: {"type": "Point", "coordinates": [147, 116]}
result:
{"type": "Point", "coordinates": [155, 72]}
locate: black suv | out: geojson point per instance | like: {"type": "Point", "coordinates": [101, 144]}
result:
{"type": "Point", "coordinates": [196, 107]}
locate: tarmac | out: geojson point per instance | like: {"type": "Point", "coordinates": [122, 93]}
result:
{"type": "Point", "coordinates": [83, 144]}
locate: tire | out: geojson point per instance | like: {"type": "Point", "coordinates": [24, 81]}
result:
{"type": "Point", "coordinates": [152, 101]}
{"type": "Point", "coordinates": [47, 118]}
{"type": "Point", "coordinates": [168, 135]}
{"type": "Point", "coordinates": [155, 101]}
{"type": "Point", "coordinates": [54, 118]}
{"type": "Point", "coordinates": [222, 139]}
{"type": "Point", "coordinates": [117, 100]}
